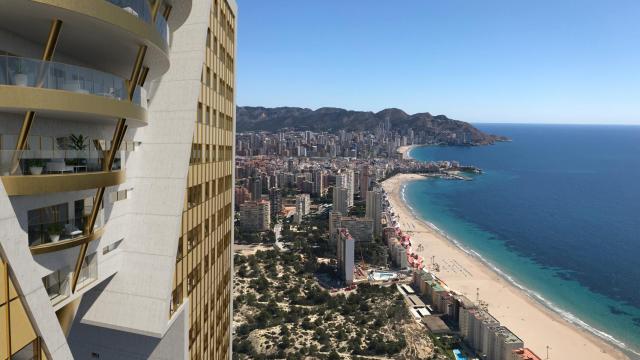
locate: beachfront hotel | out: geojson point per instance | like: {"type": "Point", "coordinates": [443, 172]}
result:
{"type": "Point", "coordinates": [117, 121]}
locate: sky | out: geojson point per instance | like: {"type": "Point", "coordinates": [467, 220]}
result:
{"type": "Point", "coordinates": [514, 61]}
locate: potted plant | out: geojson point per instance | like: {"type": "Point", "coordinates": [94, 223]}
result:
{"type": "Point", "coordinates": [54, 231]}
{"type": "Point", "coordinates": [78, 143]}
{"type": "Point", "coordinates": [20, 78]}
{"type": "Point", "coordinates": [35, 166]}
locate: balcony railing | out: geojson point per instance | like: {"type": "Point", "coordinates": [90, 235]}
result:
{"type": "Point", "coordinates": [142, 10]}
{"type": "Point", "coordinates": [57, 284]}
{"type": "Point", "coordinates": [28, 72]}
{"type": "Point", "coordinates": [42, 162]}
{"type": "Point", "coordinates": [88, 271]}
{"type": "Point", "coordinates": [139, 8]}
{"type": "Point", "coordinates": [162, 27]}
{"type": "Point", "coordinates": [60, 230]}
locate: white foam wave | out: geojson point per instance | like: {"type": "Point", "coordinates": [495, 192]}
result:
{"type": "Point", "coordinates": [568, 316]}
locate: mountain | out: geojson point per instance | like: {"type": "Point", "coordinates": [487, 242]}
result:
{"type": "Point", "coordinates": [434, 129]}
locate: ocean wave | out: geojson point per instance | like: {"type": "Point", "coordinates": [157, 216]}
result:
{"type": "Point", "coordinates": [534, 295]}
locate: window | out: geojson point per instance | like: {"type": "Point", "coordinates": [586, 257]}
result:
{"type": "Point", "coordinates": [119, 195]}
{"type": "Point", "coordinates": [179, 253]}
{"type": "Point", "coordinates": [196, 154]}
{"type": "Point", "coordinates": [111, 247]}
{"type": "Point", "coordinates": [207, 153]}
{"type": "Point", "coordinates": [89, 269]}
{"type": "Point", "coordinates": [57, 285]}
{"type": "Point", "coordinates": [194, 196]}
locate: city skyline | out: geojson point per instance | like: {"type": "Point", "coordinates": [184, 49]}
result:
{"type": "Point", "coordinates": [496, 62]}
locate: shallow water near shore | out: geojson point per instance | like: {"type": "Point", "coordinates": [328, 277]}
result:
{"type": "Point", "coordinates": [557, 211]}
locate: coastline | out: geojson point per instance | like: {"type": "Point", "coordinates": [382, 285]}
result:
{"type": "Point", "coordinates": [537, 325]}
{"type": "Point", "coordinates": [406, 150]}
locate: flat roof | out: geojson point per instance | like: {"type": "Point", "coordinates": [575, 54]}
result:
{"type": "Point", "coordinates": [435, 324]}
{"type": "Point", "coordinates": [423, 311]}
{"type": "Point", "coordinates": [408, 289]}
{"type": "Point", "coordinates": [415, 300]}
{"type": "Point", "coordinates": [415, 313]}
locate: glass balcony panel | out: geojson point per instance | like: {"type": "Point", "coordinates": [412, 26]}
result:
{"type": "Point", "coordinates": [57, 284]}
{"type": "Point", "coordinates": [68, 228]}
{"type": "Point", "coordinates": [42, 162]}
{"type": "Point", "coordinates": [88, 271]}
{"type": "Point", "coordinates": [27, 72]}
{"type": "Point", "coordinates": [162, 27]}
{"type": "Point", "coordinates": [139, 8]}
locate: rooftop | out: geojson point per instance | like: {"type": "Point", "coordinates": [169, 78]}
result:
{"type": "Point", "coordinates": [435, 324]}
{"type": "Point", "coordinates": [525, 354]}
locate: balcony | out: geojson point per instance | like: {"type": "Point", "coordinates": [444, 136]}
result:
{"type": "Point", "coordinates": [58, 283]}
{"type": "Point", "coordinates": [52, 228]}
{"type": "Point", "coordinates": [31, 172]}
{"type": "Point", "coordinates": [103, 33]}
{"type": "Point", "coordinates": [139, 8]}
{"type": "Point", "coordinates": [162, 27]}
{"type": "Point", "coordinates": [142, 10]}
{"type": "Point", "coordinates": [57, 231]}
{"type": "Point", "coordinates": [67, 91]}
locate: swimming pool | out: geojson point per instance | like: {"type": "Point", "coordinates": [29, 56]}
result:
{"type": "Point", "coordinates": [382, 276]}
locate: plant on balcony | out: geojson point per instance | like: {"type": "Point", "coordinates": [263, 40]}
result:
{"type": "Point", "coordinates": [78, 143]}
{"type": "Point", "coordinates": [54, 231]}
{"type": "Point", "coordinates": [35, 166]}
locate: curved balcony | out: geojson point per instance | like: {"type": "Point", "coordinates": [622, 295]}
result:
{"type": "Point", "coordinates": [103, 33]}
{"type": "Point", "coordinates": [63, 240]}
{"type": "Point", "coordinates": [142, 10]}
{"type": "Point", "coordinates": [33, 172]}
{"type": "Point", "coordinates": [69, 91]}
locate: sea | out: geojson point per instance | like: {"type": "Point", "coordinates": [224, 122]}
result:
{"type": "Point", "coordinates": [556, 211]}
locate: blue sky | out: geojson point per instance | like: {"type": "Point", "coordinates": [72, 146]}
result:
{"type": "Point", "coordinates": [533, 61]}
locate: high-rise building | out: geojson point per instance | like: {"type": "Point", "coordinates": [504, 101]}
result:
{"type": "Point", "coordinates": [345, 255]}
{"type": "Point", "coordinates": [341, 200]}
{"type": "Point", "coordinates": [365, 181]}
{"type": "Point", "coordinates": [345, 180]}
{"type": "Point", "coordinates": [334, 224]}
{"type": "Point", "coordinates": [241, 195]}
{"type": "Point", "coordinates": [255, 216]}
{"type": "Point", "coordinates": [255, 188]}
{"type": "Point", "coordinates": [303, 204]}
{"type": "Point", "coordinates": [374, 210]}
{"type": "Point", "coordinates": [318, 183]}
{"type": "Point", "coordinates": [360, 228]}
{"type": "Point", "coordinates": [117, 124]}
{"type": "Point", "coordinates": [275, 198]}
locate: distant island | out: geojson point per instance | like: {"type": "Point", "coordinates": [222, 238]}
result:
{"type": "Point", "coordinates": [439, 129]}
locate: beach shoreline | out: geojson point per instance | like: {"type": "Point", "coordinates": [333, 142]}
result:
{"type": "Point", "coordinates": [406, 150]}
{"type": "Point", "coordinates": [536, 324]}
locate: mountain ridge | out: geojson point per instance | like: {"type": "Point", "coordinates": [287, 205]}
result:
{"type": "Point", "coordinates": [437, 129]}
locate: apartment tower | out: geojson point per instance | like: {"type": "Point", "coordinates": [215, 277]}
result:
{"type": "Point", "coordinates": [117, 126]}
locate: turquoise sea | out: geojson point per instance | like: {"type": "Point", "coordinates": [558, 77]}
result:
{"type": "Point", "coordinates": [557, 211]}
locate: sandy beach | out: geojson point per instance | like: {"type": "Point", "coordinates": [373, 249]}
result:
{"type": "Point", "coordinates": [536, 325]}
{"type": "Point", "coordinates": [404, 150]}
